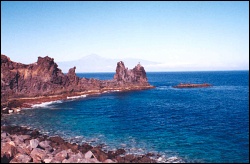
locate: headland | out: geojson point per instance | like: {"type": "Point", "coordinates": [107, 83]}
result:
{"type": "Point", "coordinates": [23, 85]}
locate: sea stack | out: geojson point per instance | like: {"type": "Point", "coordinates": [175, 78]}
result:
{"type": "Point", "coordinates": [135, 75]}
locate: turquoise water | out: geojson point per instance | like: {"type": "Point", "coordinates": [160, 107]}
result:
{"type": "Point", "coordinates": [194, 125]}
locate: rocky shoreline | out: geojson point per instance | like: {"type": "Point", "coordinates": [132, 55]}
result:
{"type": "Point", "coordinates": [23, 85]}
{"type": "Point", "coordinates": [15, 105]}
{"type": "Point", "coordinates": [24, 145]}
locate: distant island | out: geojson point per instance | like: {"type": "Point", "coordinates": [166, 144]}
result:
{"type": "Point", "coordinates": [23, 85]}
{"type": "Point", "coordinates": [189, 85]}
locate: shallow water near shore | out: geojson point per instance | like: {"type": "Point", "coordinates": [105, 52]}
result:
{"type": "Point", "coordinates": [194, 124]}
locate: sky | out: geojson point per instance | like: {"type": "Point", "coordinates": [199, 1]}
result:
{"type": "Point", "coordinates": [179, 36]}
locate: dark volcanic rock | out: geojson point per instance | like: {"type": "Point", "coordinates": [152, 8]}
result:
{"type": "Point", "coordinates": [135, 75]}
{"type": "Point", "coordinates": [36, 79]}
{"type": "Point", "coordinates": [21, 158]}
{"type": "Point", "coordinates": [8, 151]}
{"type": "Point", "coordinates": [188, 85]}
{"type": "Point", "coordinates": [57, 139]}
{"type": "Point", "coordinates": [113, 154]}
{"type": "Point", "coordinates": [44, 78]}
{"type": "Point", "coordinates": [61, 152]}
{"type": "Point", "coordinates": [99, 154]}
{"type": "Point", "coordinates": [37, 155]}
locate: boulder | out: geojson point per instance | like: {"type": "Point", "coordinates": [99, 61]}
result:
{"type": "Point", "coordinates": [129, 158]}
{"type": "Point", "coordinates": [34, 143]}
{"type": "Point", "coordinates": [37, 155]}
{"type": "Point", "coordinates": [18, 140]}
{"type": "Point", "coordinates": [113, 154]}
{"type": "Point", "coordinates": [84, 148]}
{"type": "Point", "coordinates": [145, 159]}
{"type": "Point", "coordinates": [70, 153]}
{"type": "Point", "coordinates": [120, 159]}
{"type": "Point", "coordinates": [3, 135]}
{"type": "Point", "coordinates": [108, 161]}
{"type": "Point", "coordinates": [23, 150]}
{"type": "Point", "coordinates": [7, 139]}
{"type": "Point", "coordinates": [47, 160]}
{"type": "Point", "coordinates": [61, 156]}
{"type": "Point", "coordinates": [12, 143]}
{"type": "Point", "coordinates": [89, 155]}
{"type": "Point", "coordinates": [25, 137]}
{"type": "Point", "coordinates": [74, 147]}
{"type": "Point", "coordinates": [45, 144]}
{"type": "Point", "coordinates": [75, 158]}
{"type": "Point", "coordinates": [21, 158]}
{"type": "Point", "coordinates": [8, 149]}
{"type": "Point", "coordinates": [66, 161]}
{"type": "Point", "coordinates": [35, 134]}
{"type": "Point", "coordinates": [99, 154]}
{"type": "Point", "coordinates": [57, 139]}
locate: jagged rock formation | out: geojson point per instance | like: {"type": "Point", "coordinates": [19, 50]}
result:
{"type": "Point", "coordinates": [44, 78]}
{"type": "Point", "coordinates": [136, 75]}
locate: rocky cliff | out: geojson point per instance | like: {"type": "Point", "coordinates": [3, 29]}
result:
{"type": "Point", "coordinates": [44, 78]}
{"type": "Point", "coordinates": [136, 75]}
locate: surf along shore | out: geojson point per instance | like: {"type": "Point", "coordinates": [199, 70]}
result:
{"type": "Point", "coordinates": [22, 144]}
{"type": "Point", "coordinates": [14, 105]}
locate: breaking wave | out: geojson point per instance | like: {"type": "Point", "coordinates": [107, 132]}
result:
{"type": "Point", "coordinates": [45, 104]}
{"type": "Point", "coordinates": [76, 97]}
{"type": "Point", "coordinates": [165, 88]}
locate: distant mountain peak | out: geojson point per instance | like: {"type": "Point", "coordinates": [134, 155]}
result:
{"type": "Point", "coordinates": [97, 63]}
{"type": "Point", "coordinates": [92, 56]}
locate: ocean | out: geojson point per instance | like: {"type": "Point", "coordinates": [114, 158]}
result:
{"type": "Point", "coordinates": [191, 125]}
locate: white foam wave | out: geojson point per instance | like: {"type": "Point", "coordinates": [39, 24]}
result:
{"type": "Point", "coordinates": [173, 159]}
{"type": "Point", "coordinates": [165, 87]}
{"type": "Point", "coordinates": [117, 90]}
{"type": "Point", "coordinates": [227, 87]}
{"type": "Point", "coordinates": [44, 104]}
{"type": "Point", "coordinates": [76, 97]}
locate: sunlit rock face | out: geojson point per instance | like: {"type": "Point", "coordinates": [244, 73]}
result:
{"type": "Point", "coordinates": [135, 75]}
{"type": "Point", "coordinates": [44, 78]}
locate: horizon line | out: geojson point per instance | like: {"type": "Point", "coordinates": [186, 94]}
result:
{"type": "Point", "coordinates": [171, 71]}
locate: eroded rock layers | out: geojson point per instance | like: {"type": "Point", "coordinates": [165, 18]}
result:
{"type": "Point", "coordinates": [44, 78]}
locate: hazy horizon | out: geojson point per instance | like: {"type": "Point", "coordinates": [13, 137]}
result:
{"type": "Point", "coordinates": [174, 36]}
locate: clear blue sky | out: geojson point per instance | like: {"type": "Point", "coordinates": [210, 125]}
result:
{"type": "Point", "coordinates": [179, 35]}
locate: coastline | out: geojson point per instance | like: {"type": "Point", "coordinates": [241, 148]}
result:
{"type": "Point", "coordinates": [15, 105]}
{"type": "Point", "coordinates": [24, 87]}
{"type": "Point", "coordinates": [13, 132]}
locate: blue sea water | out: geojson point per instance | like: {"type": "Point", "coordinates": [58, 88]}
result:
{"type": "Point", "coordinates": [193, 124]}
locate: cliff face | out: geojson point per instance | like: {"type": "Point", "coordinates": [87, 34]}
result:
{"type": "Point", "coordinates": [44, 78]}
{"type": "Point", "coordinates": [40, 78]}
{"type": "Point", "coordinates": [136, 75]}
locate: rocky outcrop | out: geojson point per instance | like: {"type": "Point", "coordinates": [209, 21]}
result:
{"type": "Point", "coordinates": [22, 145]}
{"type": "Point", "coordinates": [44, 78]}
{"type": "Point", "coordinates": [40, 78]}
{"type": "Point", "coordinates": [137, 75]}
{"type": "Point", "coordinates": [188, 85]}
